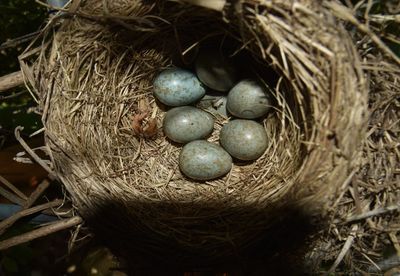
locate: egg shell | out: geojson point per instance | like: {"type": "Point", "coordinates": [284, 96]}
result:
{"type": "Point", "coordinates": [187, 123]}
{"type": "Point", "coordinates": [178, 87]}
{"type": "Point", "coordinates": [57, 3]}
{"type": "Point", "coordinates": [244, 139]}
{"type": "Point", "coordinates": [248, 100]}
{"type": "Point", "coordinates": [202, 160]}
{"type": "Point", "coordinates": [215, 71]}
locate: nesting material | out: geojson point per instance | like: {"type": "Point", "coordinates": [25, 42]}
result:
{"type": "Point", "coordinates": [363, 234]}
{"type": "Point", "coordinates": [93, 81]}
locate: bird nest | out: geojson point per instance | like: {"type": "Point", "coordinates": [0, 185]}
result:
{"type": "Point", "coordinates": [93, 74]}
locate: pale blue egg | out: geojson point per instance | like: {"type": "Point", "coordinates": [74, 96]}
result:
{"type": "Point", "coordinates": [177, 87]}
{"type": "Point", "coordinates": [248, 100]}
{"type": "Point", "coordinates": [202, 160]}
{"type": "Point", "coordinates": [57, 3]}
{"type": "Point", "coordinates": [244, 139]}
{"type": "Point", "coordinates": [187, 123]}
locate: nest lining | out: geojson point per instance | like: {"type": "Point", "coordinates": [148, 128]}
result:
{"type": "Point", "coordinates": [98, 73]}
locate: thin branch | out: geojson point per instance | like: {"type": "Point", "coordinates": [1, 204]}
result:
{"type": "Point", "coordinates": [13, 188]}
{"type": "Point", "coordinates": [371, 261]}
{"type": "Point", "coordinates": [11, 80]}
{"type": "Point", "coordinates": [62, 211]}
{"type": "Point", "coordinates": [27, 212]}
{"type": "Point", "coordinates": [346, 247]}
{"type": "Point", "coordinates": [19, 40]}
{"type": "Point", "coordinates": [384, 17]}
{"type": "Point", "coordinates": [376, 212]}
{"type": "Point", "coordinates": [28, 203]}
{"type": "Point", "coordinates": [32, 153]}
{"type": "Point", "coordinates": [11, 197]}
{"type": "Point", "coordinates": [36, 193]}
{"type": "Point", "coordinates": [345, 14]}
{"type": "Point", "coordinates": [12, 96]}
{"type": "Point", "coordinates": [386, 264]}
{"type": "Point", "coordinates": [343, 188]}
{"type": "Point", "coordinates": [41, 232]}
{"type": "Point", "coordinates": [72, 241]}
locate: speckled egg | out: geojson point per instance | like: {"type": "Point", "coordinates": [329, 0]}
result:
{"type": "Point", "coordinates": [248, 100]}
{"type": "Point", "coordinates": [243, 139]}
{"type": "Point", "coordinates": [215, 70]}
{"type": "Point", "coordinates": [177, 87]}
{"type": "Point", "coordinates": [187, 123]}
{"type": "Point", "coordinates": [202, 160]}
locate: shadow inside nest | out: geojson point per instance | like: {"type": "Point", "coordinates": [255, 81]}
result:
{"type": "Point", "coordinates": [278, 250]}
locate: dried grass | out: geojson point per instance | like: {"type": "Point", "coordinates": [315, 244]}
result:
{"type": "Point", "coordinates": [367, 211]}
{"type": "Point", "coordinates": [93, 72]}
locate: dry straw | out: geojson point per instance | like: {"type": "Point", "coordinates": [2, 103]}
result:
{"type": "Point", "coordinates": [94, 72]}
{"type": "Point", "coordinates": [363, 235]}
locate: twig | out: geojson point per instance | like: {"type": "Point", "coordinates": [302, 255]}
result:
{"type": "Point", "coordinates": [28, 203]}
{"type": "Point", "coordinates": [11, 80]}
{"type": "Point", "coordinates": [32, 153]}
{"type": "Point", "coordinates": [343, 188]}
{"type": "Point", "coordinates": [345, 14]}
{"type": "Point", "coordinates": [376, 212]}
{"type": "Point", "coordinates": [384, 17]}
{"type": "Point", "coordinates": [386, 264]}
{"type": "Point", "coordinates": [16, 41]}
{"type": "Point", "coordinates": [62, 211]}
{"type": "Point", "coordinates": [13, 188]}
{"type": "Point", "coordinates": [36, 194]}
{"type": "Point", "coordinates": [41, 232]}
{"type": "Point", "coordinates": [27, 212]}
{"type": "Point", "coordinates": [73, 238]}
{"type": "Point", "coordinates": [345, 249]}
{"type": "Point", "coordinates": [11, 197]}
{"type": "Point", "coordinates": [15, 95]}
{"type": "Point", "coordinates": [371, 261]}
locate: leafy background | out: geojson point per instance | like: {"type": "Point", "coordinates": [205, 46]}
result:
{"type": "Point", "coordinates": [17, 18]}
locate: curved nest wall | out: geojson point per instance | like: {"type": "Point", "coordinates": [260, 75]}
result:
{"type": "Point", "coordinates": [96, 70]}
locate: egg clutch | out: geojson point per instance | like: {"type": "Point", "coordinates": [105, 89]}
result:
{"type": "Point", "coordinates": [245, 100]}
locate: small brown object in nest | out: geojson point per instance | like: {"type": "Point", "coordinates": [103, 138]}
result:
{"type": "Point", "coordinates": [143, 126]}
{"type": "Point", "coordinates": [94, 71]}
{"type": "Point", "coordinates": [149, 130]}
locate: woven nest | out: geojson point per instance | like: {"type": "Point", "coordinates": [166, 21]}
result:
{"type": "Point", "coordinates": [96, 71]}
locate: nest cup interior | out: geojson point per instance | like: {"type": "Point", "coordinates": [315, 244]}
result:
{"type": "Point", "coordinates": [98, 73]}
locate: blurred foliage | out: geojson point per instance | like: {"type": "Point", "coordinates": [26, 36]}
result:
{"type": "Point", "coordinates": [17, 18]}
{"type": "Point", "coordinates": [18, 113]}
